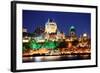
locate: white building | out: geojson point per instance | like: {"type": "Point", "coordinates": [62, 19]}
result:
{"type": "Point", "coordinates": [50, 26]}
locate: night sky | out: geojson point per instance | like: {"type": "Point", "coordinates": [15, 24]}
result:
{"type": "Point", "coordinates": [64, 20]}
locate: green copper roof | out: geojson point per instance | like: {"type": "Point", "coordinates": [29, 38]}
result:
{"type": "Point", "coordinates": [72, 28]}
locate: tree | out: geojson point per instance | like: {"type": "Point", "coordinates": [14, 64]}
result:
{"type": "Point", "coordinates": [50, 44]}
{"type": "Point", "coordinates": [34, 45]}
{"type": "Point", "coordinates": [26, 47]}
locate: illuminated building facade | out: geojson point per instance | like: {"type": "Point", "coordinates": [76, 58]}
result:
{"type": "Point", "coordinates": [60, 35]}
{"type": "Point", "coordinates": [50, 30]}
{"type": "Point", "coordinates": [49, 39]}
{"type": "Point", "coordinates": [84, 41]}
{"type": "Point", "coordinates": [50, 26]}
{"type": "Point", "coordinates": [25, 35]}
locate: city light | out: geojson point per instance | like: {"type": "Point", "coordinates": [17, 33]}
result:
{"type": "Point", "coordinates": [52, 42]}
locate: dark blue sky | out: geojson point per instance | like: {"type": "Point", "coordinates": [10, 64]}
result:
{"type": "Point", "coordinates": [64, 20]}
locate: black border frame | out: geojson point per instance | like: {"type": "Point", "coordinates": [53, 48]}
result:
{"type": "Point", "coordinates": [13, 35]}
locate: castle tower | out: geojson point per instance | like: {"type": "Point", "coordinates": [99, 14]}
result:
{"type": "Point", "coordinates": [72, 31]}
{"type": "Point", "coordinates": [50, 26]}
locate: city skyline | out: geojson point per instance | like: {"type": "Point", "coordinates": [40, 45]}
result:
{"type": "Point", "coordinates": [64, 20]}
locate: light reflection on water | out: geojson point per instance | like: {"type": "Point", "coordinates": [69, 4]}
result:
{"type": "Point", "coordinates": [43, 58]}
{"type": "Point", "coordinates": [38, 59]}
{"type": "Point", "coordinates": [55, 58]}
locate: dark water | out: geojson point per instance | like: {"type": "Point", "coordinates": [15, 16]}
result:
{"type": "Point", "coordinates": [56, 58]}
